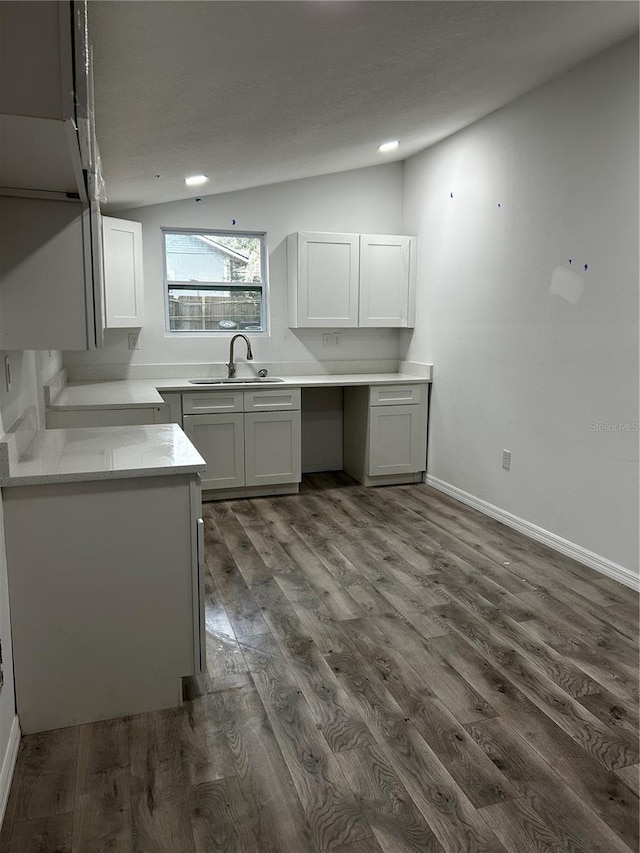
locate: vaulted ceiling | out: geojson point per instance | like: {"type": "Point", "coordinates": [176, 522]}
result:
{"type": "Point", "coordinates": [251, 93]}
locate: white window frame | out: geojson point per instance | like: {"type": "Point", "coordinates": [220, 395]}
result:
{"type": "Point", "coordinates": [264, 285]}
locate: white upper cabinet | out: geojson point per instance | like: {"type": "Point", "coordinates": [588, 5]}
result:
{"type": "Point", "coordinates": [123, 279]}
{"type": "Point", "coordinates": [323, 279]}
{"type": "Point", "coordinates": [387, 280]}
{"type": "Point", "coordinates": [44, 68]}
{"type": "Point", "coordinates": [46, 288]}
{"type": "Point", "coordinates": [51, 290]}
{"type": "Point", "coordinates": [350, 280]}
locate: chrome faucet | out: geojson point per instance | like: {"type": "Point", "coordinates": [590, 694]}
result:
{"type": "Point", "coordinates": [231, 365]}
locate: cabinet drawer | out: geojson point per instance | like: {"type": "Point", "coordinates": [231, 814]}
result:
{"type": "Point", "coordinates": [396, 395]}
{"type": "Point", "coordinates": [212, 402]}
{"type": "Point", "coordinates": [272, 400]}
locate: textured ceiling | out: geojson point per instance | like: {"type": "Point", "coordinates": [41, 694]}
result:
{"type": "Point", "coordinates": [252, 93]}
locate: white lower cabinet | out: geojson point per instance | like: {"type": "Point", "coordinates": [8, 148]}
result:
{"type": "Point", "coordinates": [255, 451]}
{"type": "Point", "coordinates": [272, 448]}
{"type": "Point", "coordinates": [385, 433]}
{"type": "Point", "coordinates": [106, 599]}
{"type": "Point", "coordinates": [397, 440]}
{"type": "Point", "coordinates": [220, 441]}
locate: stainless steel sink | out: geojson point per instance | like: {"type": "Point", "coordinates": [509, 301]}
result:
{"type": "Point", "coordinates": [242, 381]}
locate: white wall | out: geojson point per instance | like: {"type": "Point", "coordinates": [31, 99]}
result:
{"type": "Point", "coordinates": [530, 348]}
{"type": "Point", "coordinates": [364, 200]}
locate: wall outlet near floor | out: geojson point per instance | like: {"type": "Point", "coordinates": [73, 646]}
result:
{"type": "Point", "coordinates": [506, 460]}
{"type": "Point", "coordinates": [134, 340]}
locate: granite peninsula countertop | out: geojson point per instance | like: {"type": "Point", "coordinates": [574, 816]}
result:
{"type": "Point", "coordinates": [145, 393]}
{"type": "Point", "coordinates": [98, 453]}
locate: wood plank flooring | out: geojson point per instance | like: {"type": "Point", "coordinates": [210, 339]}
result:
{"type": "Point", "coordinates": [388, 671]}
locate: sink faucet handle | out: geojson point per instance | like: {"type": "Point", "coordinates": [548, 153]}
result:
{"type": "Point", "coordinates": [262, 373]}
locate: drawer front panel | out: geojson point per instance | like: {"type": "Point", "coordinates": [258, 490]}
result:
{"type": "Point", "coordinates": [212, 402]}
{"type": "Point", "coordinates": [396, 395]}
{"type": "Point", "coordinates": [272, 400]}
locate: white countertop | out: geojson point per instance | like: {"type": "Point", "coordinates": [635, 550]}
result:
{"type": "Point", "coordinates": [144, 393]}
{"type": "Point", "coordinates": [100, 453]}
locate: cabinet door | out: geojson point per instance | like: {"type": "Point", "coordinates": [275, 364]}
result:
{"type": "Point", "coordinates": [397, 440]}
{"type": "Point", "coordinates": [220, 440]}
{"type": "Point", "coordinates": [36, 60]}
{"type": "Point", "coordinates": [387, 280]}
{"type": "Point", "coordinates": [122, 272]}
{"type": "Point", "coordinates": [45, 297]}
{"type": "Point", "coordinates": [273, 451]}
{"type": "Point", "coordinates": [323, 279]}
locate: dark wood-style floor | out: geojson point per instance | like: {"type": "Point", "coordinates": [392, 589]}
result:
{"type": "Point", "coordinates": [387, 671]}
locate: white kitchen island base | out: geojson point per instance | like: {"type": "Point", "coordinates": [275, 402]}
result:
{"type": "Point", "coordinates": [105, 592]}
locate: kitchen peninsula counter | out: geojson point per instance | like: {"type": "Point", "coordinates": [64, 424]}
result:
{"type": "Point", "coordinates": [105, 555]}
{"type": "Point", "coordinates": [100, 453]}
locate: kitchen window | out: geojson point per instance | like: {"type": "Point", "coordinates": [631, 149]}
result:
{"type": "Point", "coordinates": [215, 281]}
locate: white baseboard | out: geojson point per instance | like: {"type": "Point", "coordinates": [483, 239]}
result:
{"type": "Point", "coordinates": [9, 765]}
{"type": "Point", "coordinates": [570, 549]}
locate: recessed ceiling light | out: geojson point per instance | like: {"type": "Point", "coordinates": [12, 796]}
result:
{"type": "Point", "coordinates": [388, 146]}
{"type": "Point", "coordinates": [196, 180]}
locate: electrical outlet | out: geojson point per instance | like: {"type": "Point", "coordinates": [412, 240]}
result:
{"type": "Point", "coordinates": [134, 338]}
{"type": "Point", "coordinates": [337, 339]}
{"type": "Point", "coordinates": [506, 460]}
{"type": "Point", "coordinates": [7, 372]}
